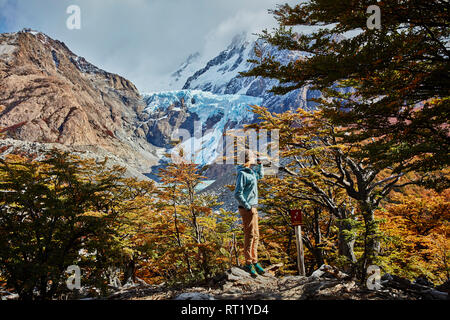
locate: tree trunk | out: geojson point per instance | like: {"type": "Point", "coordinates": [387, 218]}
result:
{"type": "Point", "coordinates": [318, 256]}
{"type": "Point", "coordinates": [178, 236]}
{"type": "Point", "coordinates": [317, 251]}
{"type": "Point", "coordinates": [371, 243]}
{"type": "Point", "coordinates": [346, 242]}
{"type": "Point", "coordinates": [129, 272]}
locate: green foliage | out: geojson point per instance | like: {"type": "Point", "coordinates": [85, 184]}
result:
{"type": "Point", "coordinates": [399, 105]}
{"type": "Point", "coordinates": [49, 211]}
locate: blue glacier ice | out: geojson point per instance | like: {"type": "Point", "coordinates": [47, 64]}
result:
{"type": "Point", "coordinates": [225, 108]}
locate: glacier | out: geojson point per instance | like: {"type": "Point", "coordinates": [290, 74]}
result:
{"type": "Point", "coordinates": [215, 113]}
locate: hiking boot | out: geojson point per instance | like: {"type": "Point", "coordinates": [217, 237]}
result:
{"type": "Point", "coordinates": [250, 269]}
{"type": "Point", "coordinates": [258, 268]}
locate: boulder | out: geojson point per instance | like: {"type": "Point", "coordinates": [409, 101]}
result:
{"type": "Point", "coordinates": [194, 296]}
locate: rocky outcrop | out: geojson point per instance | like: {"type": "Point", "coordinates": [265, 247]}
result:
{"type": "Point", "coordinates": [326, 283]}
{"type": "Point", "coordinates": [12, 146]}
{"type": "Point", "coordinates": [50, 95]}
{"type": "Point", "coordinates": [163, 122]}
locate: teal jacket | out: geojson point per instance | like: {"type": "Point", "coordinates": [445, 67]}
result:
{"type": "Point", "coordinates": [246, 192]}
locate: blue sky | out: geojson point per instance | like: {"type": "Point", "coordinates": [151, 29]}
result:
{"type": "Point", "coordinates": [142, 40]}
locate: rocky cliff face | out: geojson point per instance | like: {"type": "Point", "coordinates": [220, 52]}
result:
{"type": "Point", "coordinates": [50, 95]}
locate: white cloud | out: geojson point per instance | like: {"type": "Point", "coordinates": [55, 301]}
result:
{"type": "Point", "coordinates": [252, 22]}
{"type": "Point", "coordinates": [142, 40]}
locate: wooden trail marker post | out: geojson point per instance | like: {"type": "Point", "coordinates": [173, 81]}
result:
{"type": "Point", "coordinates": [296, 218]}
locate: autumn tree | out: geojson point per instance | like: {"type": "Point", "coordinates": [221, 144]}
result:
{"type": "Point", "coordinates": [50, 211]}
{"type": "Point", "coordinates": [136, 206]}
{"type": "Point", "coordinates": [199, 234]}
{"type": "Point", "coordinates": [399, 100]}
{"type": "Point", "coordinates": [320, 169]}
{"type": "Point", "coordinates": [417, 224]}
{"type": "Point", "coordinates": [278, 234]}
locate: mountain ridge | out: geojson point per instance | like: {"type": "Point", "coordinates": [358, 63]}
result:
{"type": "Point", "coordinates": [48, 94]}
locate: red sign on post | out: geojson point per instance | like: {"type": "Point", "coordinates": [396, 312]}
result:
{"type": "Point", "coordinates": [296, 217]}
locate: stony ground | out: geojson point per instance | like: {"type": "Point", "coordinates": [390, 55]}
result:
{"type": "Point", "coordinates": [324, 284]}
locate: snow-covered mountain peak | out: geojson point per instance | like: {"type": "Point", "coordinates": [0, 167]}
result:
{"type": "Point", "coordinates": [221, 75]}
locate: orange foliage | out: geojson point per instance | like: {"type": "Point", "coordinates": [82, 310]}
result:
{"type": "Point", "coordinates": [419, 229]}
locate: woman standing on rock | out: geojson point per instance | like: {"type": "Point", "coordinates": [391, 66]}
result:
{"type": "Point", "coordinates": [246, 193]}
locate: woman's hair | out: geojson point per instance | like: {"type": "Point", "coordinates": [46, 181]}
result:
{"type": "Point", "coordinates": [248, 154]}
